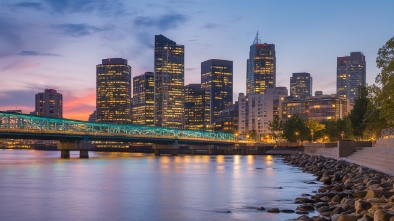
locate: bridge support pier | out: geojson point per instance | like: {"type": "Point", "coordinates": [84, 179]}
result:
{"type": "Point", "coordinates": [66, 147]}
{"type": "Point", "coordinates": [65, 154]}
{"type": "Point", "coordinates": [172, 147]}
{"type": "Point", "coordinates": [174, 152]}
{"type": "Point", "coordinates": [84, 154]}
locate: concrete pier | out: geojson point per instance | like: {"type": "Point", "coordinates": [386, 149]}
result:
{"type": "Point", "coordinates": [172, 147]}
{"type": "Point", "coordinates": [65, 154]}
{"type": "Point", "coordinates": [66, 147]}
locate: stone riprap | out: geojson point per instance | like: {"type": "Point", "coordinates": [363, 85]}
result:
{"type": "Point", "coordinates": [348, 192]}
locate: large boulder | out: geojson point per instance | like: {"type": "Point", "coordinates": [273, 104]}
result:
{"type": "Point", "coordinates": [360, 194]}
{"type": "Point", "coordinates": [361, 205]}
{"type": "Point", "coordinates": [374, 201]}
{"type": "Point", "coordinates": [348, 217]}
{"type": "Point", "coordinates": [372, 182]}
{"type": "Point", "coordinates": [383, 215]}
{"type": "Point", "coordinates": [373, 194]}
{"type": "Point", "coordinates": [306, 208]}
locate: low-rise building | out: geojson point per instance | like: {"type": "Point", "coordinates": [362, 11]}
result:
{"type": "Point", "coordinates": [257, 110]}
{"type": "Point", "coordinates": [323, 107]}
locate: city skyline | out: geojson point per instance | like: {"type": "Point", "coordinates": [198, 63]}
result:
{"type": "Point", "coordinates": [57, 44]}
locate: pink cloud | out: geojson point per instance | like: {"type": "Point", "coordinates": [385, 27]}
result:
{"type": "Point", "coordinates": [79, 108]}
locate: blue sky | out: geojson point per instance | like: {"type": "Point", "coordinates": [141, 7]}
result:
{"type": "Point", "coordinates": [57, 43]}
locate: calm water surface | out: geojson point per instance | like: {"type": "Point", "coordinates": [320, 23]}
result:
{"type": "Point", "coordinates": [37, 185]}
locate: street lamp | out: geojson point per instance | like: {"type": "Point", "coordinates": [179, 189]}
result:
{"type": "Point", "coordinates": [236, 136]}
{"type": "Point", "coordinates": [296, 133]}
{"type": "Point", "coordinates": [342, 134]}
{"type": "Point", "coordinates": [312, 135]}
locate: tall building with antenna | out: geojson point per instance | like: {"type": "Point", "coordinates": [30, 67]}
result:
{"type": "Point", "coordinates": [169, 83]}
{"type": "Point", "coordinates": [261, 67]}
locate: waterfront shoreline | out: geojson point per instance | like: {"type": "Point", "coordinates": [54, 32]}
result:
{"type": "Point", "coordinates": [349, 191]}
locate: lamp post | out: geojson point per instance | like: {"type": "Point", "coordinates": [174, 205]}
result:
{"type": "Point", "coordinates": [312, 135]}
{"type": "Point", "coordinates": [236, 136]}
{"type": "Point", "coordinates": [296, 133]}
{"type": "Point", "coordinates": [342, 134]}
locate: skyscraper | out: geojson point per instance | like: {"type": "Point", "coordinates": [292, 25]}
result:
{"type": "Point", "coordinates": [169, 82]}
{"type": "Point", "coordinates": [49, 103]}
{"type": "Point", "coordinates": [143, 99]}
{"type": "Point", "coordinates": [195, 99]}
{"type": "Point", "coordinates": [113, 91]}
{"type": "Point", "coordinates": [217, 79]}
{"type": "Point", "coordinates": [301, 85]}
{"type": "Point", "coordinates": [261, 67]}
{"type": "Point", "coordinates": [351, 73]}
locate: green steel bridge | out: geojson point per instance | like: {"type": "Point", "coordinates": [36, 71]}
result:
{"type": "Point", "coordinates": [23, 126]}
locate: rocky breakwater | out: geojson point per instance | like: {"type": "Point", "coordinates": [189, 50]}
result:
{"type": "Point", "coordinates": [350, 192]}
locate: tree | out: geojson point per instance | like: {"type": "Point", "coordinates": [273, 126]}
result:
{"type": "Point", "coordinates": [276, 128]}
{"type": "Point", "coordinates": [373, 117]}
{"type": "Point", "coordinates": [295, 129]}
{"type": "Point", "coordinates": [357, 115]}
{"type": "Point", "coordinates": [385, 79]}
{"type": "Point", "coordinates": [314, 127]}
{"type": "Point", "coordinates": [252, 134]}
{"type": "Point", "coordinates": [338, 129]}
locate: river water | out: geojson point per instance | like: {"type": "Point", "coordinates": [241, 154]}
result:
{"type": "Point", "coordinates": [37, 185]}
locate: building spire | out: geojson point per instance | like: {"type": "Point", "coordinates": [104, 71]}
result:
{"type": "Point", "coordinates": [257, 39]}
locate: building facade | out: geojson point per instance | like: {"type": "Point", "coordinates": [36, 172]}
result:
{"type": "Point", "coordinates": [351, 73]}
{"type": "Point", "coordinates": [49, 104]}
{"type": "Point", "coordinates": [217, 79]}
{"type": "Point", "coordinates": [261, 67]}
{"type": "Point", "coordinates": [196, 116]}
{"type": "Point", "coordinates": [143, 99]}
{"type": "Point", "coordinates": [169, 83]}
{"type": "Point", "coordinates": [113, 91]}
{"type": "Point", "coordinates": [93, 117]}
{"type": "Point", "coordinates": [324, 107]}
{"type": "Point", "coordinates": [257, 110]}
{"type": "Point", "coordinates": [227, 119]}
{"type": "Point", "coordinates": [301, 85]}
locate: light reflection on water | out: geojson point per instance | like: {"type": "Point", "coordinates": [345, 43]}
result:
{"type": "Point", "coordinates": [37, 185]}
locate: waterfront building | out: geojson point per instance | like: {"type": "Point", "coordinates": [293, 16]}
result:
{"type": "Point", "coordinates": [113, 91]}
{"type": "Point", "coordinates": [227, 119]}
{"type": "Point", "coordinates": [257, 110]}
{"type": "Point", "coordinates": [93, 117]}
{"type": "Point", "coordinates": [351, 73]}
{"type": "Point", "coordinates": [143, 99]}
{"type": "Point", "coordinates": [14, 111]}
{"type": "Point", "coordinates": [318, 93]}
{"type": "Point", "coordinates": [195, 103]}
{"type": "Point", "coordinates": [169, 83]}
{"type": "Point", "coordinates": [301, 85]}
{"type": "Point", "coordinates": [261, 67]}
{"type": "Point", "coordinates": [49, 104]}
{"type": "Point", "coordinates": [323, 107]}
{"type": "Point", "coordinates": [217, 79]}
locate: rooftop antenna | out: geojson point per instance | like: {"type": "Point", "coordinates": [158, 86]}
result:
{"type": "Point", "coordinates": [257, 39]}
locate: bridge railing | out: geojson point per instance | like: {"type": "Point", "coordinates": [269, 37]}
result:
{"type": "Point", "coordinates": [11, 122]}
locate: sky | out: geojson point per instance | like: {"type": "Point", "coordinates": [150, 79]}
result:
{"type": "Point", "coordinates": [58, 43]}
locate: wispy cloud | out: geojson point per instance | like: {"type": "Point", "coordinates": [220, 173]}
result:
{"type": "Point", "coordinates": [79, 30]}
{"type": "Point", "coordinates": [28, 5]}
{"type": "Point", "coordinates": [211, 26]}
{"type": "Point", "coordinates": [36, 53]}
{"type": "Point", "coordinates": [17, 99]}
{"type": "Point", "coordinates": [163, 22]}
{"type": "Point", "coordinates": [9, 37]}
